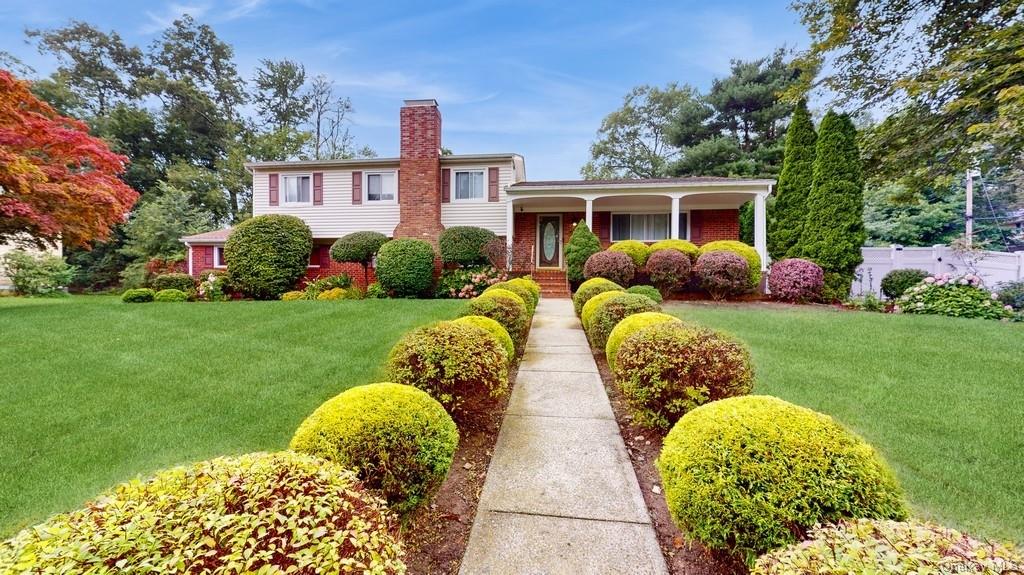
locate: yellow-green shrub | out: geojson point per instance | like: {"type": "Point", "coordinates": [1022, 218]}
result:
{"type": "Point", "coordinates": [636, 250]}
{"type": "Point", "coordinates": [517, 288]}
{"type": "Point", "coordinates": [754, 473]}
{"type": "Point", "coordinates": [630, 325]}
{"type": "Point", "coordinates": [458, 364]}
{"type": "Point", "coordinates": [399, 440]}
{"type": "Point", "coordinates": [508, 311]}
{"type": "Point", "coordinates": [589, 289]}
{"type": "Point", "coordinates": [891, 547]}
{"type": "Point", "coordinates": [741, 249]}
{"type": "Point", "coordinates": [683, 246]}
{"type": "Point", "coordinates": [332, 294]}
{"type": "Point", "coordinates": [612, 311]}
{"type": "Point", "coordinates": [293, 295]}
{"type": "Point", "coordinates": [170, 295]}
{"type": "Point", "coordinates": [587, 314]}
{"type": "Point", "coordinates": [495, 329]}
{"type": "Point", "coordinates": [501, 292]}
{"type": "Point", "coordinates": [528, 283]}
{"type": "Point", "coordinates": [256, 513]}
{"type": "Point", "coordinates": [668, 369]}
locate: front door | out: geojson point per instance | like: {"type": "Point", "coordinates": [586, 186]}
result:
{"type": "Point", "coordinates": [549, 241]}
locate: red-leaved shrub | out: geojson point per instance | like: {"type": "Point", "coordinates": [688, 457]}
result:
{"type": "Point", "coordinates": [796, 280]}
{"type": "Point", "coordinates": [668, 269]}
{"type": "Point", "coordinates": [614, 266]}
{"type": "Point", "coordinates": [723, 274]}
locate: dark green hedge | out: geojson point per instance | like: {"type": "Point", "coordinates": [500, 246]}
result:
{"type": "Point", "coordinates": [267, 255]}
{"type": "Point", "coordinates": [405, 267]}
{"type": "Point", "coordinates": [463, 245]}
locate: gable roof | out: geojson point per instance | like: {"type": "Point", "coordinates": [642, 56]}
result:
{"type": "Point", "coordinates": [214, 237]}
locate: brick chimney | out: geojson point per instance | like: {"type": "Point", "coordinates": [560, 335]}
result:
{"type": "Point", "coordinates": [419, 172]}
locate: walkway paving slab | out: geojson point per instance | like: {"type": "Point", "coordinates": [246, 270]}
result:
{"type": "Point", "coordinates": [515, 544]}
{"type": "Point", "coordinates": [555, 336]}
{"type": "Point", "coordinates": [561, 322]}
{"type": "Point", "coordinates": [568, 467]}
{"type": "Point", "coordinates": [536, 360]}
{"type": "Point", "coordinates": [560, 394]}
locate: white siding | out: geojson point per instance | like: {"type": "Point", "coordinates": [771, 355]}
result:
{"type": "Point", "coordinates": [337, 216]}
{"type": "Point", "coordinates": [488, 215]}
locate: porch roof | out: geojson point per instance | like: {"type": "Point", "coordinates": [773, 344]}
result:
{"type": "Point", "coordinates": [639, 185]}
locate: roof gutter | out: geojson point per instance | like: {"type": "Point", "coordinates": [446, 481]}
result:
{"type": "Point", "coordinates": [639, 186]}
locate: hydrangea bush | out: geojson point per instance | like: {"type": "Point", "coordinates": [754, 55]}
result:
{"type": "Point", "coordinates": [467, 283]}
{"type": "Point", "coordinates": [955, 296]}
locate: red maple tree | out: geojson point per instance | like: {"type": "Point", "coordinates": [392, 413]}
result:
{"type": "Point", "coordinates": [56, 181]}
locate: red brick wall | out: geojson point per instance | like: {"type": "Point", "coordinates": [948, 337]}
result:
{"type": "Point", "coordinates": [327, 267]}
{"type": "Point", "coordinates": [713, 225]}
{"type": "Point", "coordinates": [202, 259]}
{"type": "Point", "coordinates": [419, 174]}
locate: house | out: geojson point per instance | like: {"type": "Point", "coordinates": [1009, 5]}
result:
{"type": "Point", "coordinates": [422, 192]}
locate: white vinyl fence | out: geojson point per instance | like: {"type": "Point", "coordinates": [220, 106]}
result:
{"type": "Point", "coordinates": [992, 267]}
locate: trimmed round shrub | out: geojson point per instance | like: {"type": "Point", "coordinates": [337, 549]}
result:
{"type": "Point", "coordinates": [464, 245]}
{"type": "Point", "coordinates": [398, 440]}
{"type": "Point", "coordinates": [181, 282]}
{"type": "Point", "coordinates": [894, 547]}
{"type": "Point", "coordinates": [264, 511]}
{"type": "Point", "coordinates": [591, 288]}
{"type": "Point", "coordinates": [460, 365]}
{"type": "Point", "coordinates": [495, 329]}
{"type": "Point", "coordinates": [682, 246]}
{"type": "Point", "coordinates": [293, 295]}
{"type": "Point", "coordinates": [613, 266]}
{"type": "Point", "coordinates": [668, 269]}
{"type": "Point", "coordinates": [649, 291]}
{"type": "Point", "coordinates": [139, 295]}
{"type": "Point", "coordinates": [722, 274]}
{"type": "Point", "coordinates": [796, 280]}
{"type": "Point", "coordinates": [332, 294]}
{"type": "Point", "coordinates": [170, 295]}
{"type": "Point", "coordinates": [754, 473]}
{"type": "Point", "coordinates": [741, 249]}
{"type": "Point", "coordinates": [268, 254]}
{"type": "Point", "coordinates": [509, 312]}
{"type": "Point", "coordinates": [405, 267]}
{"type": "Point", "coordinates": [501, 292]}
{"type": "Point", "coordinates": [520, 290]}
{"type": "Point", "coordinates": [897, 282]}
{"type": "Point", "coordinates": [357, 247]}
{"type": "Point", "coordinates": [530, 285]}
{"type": "Point", "coordinates": [589, 308]}
{"type": "Point", "coordinates": [636, 250]}
{"type": "Point", "coordinates": [670, 368]}
{"type": "Point", "coordinates": [612, 311]}
{"type": "Point", "coordinates": [630, 325]}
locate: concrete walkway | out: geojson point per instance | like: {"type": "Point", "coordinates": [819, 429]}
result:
{"type": "Point", "coordinates": [561, 495]}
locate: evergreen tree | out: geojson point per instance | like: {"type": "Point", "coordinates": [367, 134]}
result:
{"type": "Point", "coordinates": [582, 244]}
{"type": "Point", "coordinates": [833, 231]}
{"type": "Point", "coordinates": [788, 212]}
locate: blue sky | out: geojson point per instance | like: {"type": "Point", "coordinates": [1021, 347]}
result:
{"type": "Point", "coordinates": [533, 77]}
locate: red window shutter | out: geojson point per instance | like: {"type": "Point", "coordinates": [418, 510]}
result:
{"type": "Point", "coordinates": [325, 256]}
{"type": "Point", "coordinates": [696, 226]}
{"type": "Point", "coordinates": [446, 185]}
{"type": "Point", "coordinates": [492, 184]}
{"type": "Point", "coordinates": [357, 188]}
{"type": "Point", "coordinates": [603, 223]}
{"type": "Point", "coordinates": [318, 188]}
{"type": "Point", "coordinates": [208, 256]}
{"type": "Point", "coordinates": [273, 187]}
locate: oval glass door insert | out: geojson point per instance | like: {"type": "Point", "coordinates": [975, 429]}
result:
{"type": "Point", "coordinates": [549, 241]}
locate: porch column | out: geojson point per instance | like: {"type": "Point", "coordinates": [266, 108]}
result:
{"type": "Point", "coordinates": [675, 218]}
{"type": "Point", "coordinates": [510, 215]}
{"type": "Point", "coordinates": [590, 214]}
{"type": "Point", "coordinates": [760, 229]}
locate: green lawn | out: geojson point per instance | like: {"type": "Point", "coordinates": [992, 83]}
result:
{"type": "Point", "coordinates": [942, 398]}
{"type": "Point", "coordinates": [95, 392]}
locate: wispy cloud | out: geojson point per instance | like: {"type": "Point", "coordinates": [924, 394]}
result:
{"type": "Point", "coordinates": [243, 8]}
{"type": "Point", "coordinates": [158, 21]}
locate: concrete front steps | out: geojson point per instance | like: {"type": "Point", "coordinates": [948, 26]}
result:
{"type": "Point", "coordinates": [553, 283]}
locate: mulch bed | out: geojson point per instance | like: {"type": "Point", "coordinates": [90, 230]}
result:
{"type": "Point", "coordinates": [436, 538]}
{"type": "Point", "coordinates": [644, 445]}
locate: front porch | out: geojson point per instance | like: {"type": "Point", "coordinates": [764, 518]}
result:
{"type": "Point", "coordinates": [541, 215]}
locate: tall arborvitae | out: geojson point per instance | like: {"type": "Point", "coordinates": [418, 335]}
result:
{"type": "Point", "coordinates": [789, 210]}
{"type": "Point", "coordinates": [834, 226]}
{"type": "Point", "coordinates": [582, 244]}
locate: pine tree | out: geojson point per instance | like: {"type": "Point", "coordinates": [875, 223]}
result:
{"type": "Point", "coordinates": [788, 212]}
{"type": "Point", "coordinates": [833, 230]}
{"type": "Point", "coordinates": [582, 244]}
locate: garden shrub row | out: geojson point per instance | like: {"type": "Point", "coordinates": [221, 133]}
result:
{"type": "Point", "coordinates": [750, 475]}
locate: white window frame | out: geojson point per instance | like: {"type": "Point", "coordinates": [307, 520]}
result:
{"type": "Point", "coordinates": [284, 191]}
{"type": "Point", "coordinates": [684, 234]}
{"type": "Point", "coordinates": [218, 261]}
{"type": "Point", "coordinates": [366, 187]}
{"type": "Point", "coordinates": [483, 188]}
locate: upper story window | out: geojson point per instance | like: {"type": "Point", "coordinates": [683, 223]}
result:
{"type": "Point", "coordinates": [469, 185]}
{"type": "Point", "coordinates": [647, 227]}
{"type": "Point", "coordinates": [297, 189]}
{"type": "Point", "coordinates": [381, 187]}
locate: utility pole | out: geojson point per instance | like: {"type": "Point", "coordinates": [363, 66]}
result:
{"type": "Point", "coordinates": [969, 208]}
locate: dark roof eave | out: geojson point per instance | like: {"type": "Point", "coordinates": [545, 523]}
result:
{"type": "Point", "coordinates": [352, 162]}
